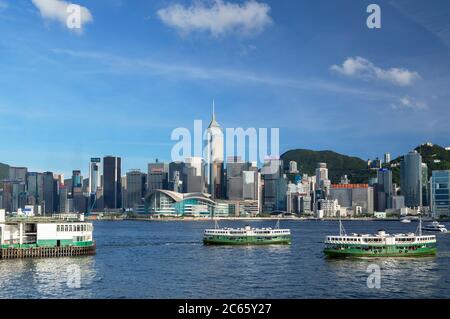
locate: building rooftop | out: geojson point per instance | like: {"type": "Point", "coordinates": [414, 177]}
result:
{"type": "Point", "coordinates": [349, 185]}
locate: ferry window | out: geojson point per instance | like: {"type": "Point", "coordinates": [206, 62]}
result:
{"type": "Point", "coordinates": [57, 228]}
{"type": "Point", "coordinates": [66, 228]}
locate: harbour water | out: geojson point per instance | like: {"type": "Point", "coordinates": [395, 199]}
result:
{"type": "Point", "coordinates": [168, 260]}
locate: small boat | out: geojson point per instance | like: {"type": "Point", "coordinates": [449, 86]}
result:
{"type": "Point", "coordinates": [435, 226]}
{"type": "Point", "coordinates": [405, 220]}
{"type": "Point", "coordinates": [246, 236]}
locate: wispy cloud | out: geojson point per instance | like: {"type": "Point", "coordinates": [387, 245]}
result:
{"type": "Point", "coordinates": [434, 18]}
{"type": "Point", "coordinates": [59, 10]}
{"type": "Point", "coordinates": [118, 64]}
{"type": "Point", "coordinates": [217, 17]}
{"type": "Point", "coordinates": [362, 68]}
{"type": "Point", "coordinates": [408, 103]}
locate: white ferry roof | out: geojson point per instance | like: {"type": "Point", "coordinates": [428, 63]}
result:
{"type": "Point", "coordinates": [243, 229]}
{"type": "Point", "coordinates": [377, 235]}
{"type": "Point", "coordinates": [247, 231]}
{"type": "Point", "coordinates": [378, 238]}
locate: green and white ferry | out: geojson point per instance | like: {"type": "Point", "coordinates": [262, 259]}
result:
{"type": "Point", "coordinates": [247, 236]}
{"type": "Point", "coordinates": [380, 244]}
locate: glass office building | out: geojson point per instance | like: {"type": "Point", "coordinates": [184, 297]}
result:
{"type": "Point", "coordinates": [440, 193]}
{"type": "Point", "coordinates": [411, 179]}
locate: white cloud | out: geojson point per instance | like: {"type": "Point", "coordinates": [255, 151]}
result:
{"type": "Point", "coordinates": [407, 102]}
{"type": "Point", "coordinates": [363, 68]}
{"type": "Point", "coordinates": [217, 17]}
{"type": "Point", "coordinates": [57, 10]}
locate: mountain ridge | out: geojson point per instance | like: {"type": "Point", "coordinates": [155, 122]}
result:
{"type": "Point", "coordinates": [435, 156]}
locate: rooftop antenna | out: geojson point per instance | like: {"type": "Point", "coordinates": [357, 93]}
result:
{"type": "Point", "coordinates": [214, 111]}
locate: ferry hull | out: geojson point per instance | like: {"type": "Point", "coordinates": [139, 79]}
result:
{"type": "Point", "coordinates": [285, 240]}
{"type": "Point", "coordinates": [382, 252]}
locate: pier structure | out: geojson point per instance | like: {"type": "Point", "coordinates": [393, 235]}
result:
{"type": "Point", "coordinates": [35, 237]}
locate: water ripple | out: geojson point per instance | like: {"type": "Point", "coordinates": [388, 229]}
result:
{"type": "Point", "coordinates": [168, 260]}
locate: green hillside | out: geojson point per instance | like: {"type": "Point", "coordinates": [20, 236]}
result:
{"type": "Point", "coordinates": [436, 157]}
{"type": "Point", "coordinates": [338, 164]}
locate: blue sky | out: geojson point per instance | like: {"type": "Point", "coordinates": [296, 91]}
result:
{"type": "Point", "coordinates": [139, 69]}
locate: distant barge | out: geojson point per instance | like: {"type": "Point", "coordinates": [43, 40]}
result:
{"type": "Point", "coordinates": [36, 237]}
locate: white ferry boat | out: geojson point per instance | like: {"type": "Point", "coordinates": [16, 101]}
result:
{"type": "Point", "coordinates": [380, 244]}
{"type": "Point", "coordinates": [246, 236]}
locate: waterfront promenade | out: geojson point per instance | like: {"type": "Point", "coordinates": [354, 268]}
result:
{"type": "Point", "coordinates": [237, 218]}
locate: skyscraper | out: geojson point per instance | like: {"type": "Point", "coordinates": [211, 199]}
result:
{"type": "Point", "coordinates": [93, 182]}
{"type": "Point", "coordinates": [353, 195]}
{"type": "Point", "coordinates": [321, 174]}
{"type": "Point", "coordinates": [252, 182]}
{"type": "Point", "coordinates": [18, 173]}
{"type": "Point", "coordinates": [63, 197]}
{"type": "Point", "coordinates": [387, 158]}
{"type": "Point", "coordinates": [275, 186]}
{"type": "Point", "coordinates": [4, 172]}
{"type": "Point", "coordinates": [112, 183]}
{"type": "Point", "coordinates": [94, 175]}
{"type": "Point", "coordinates": [175, 176]}
{"type": "Point", "coordinates": [293, 167]}
{"type": "Point", "coordinates": [214, 158]}
{"type": "Point", "coordinates": [157, 176]}
{"type": "Point", "coordinates": [425, 186]}
{"type": "Point", "coordinates": [383, 190]}
{"type": "Point", "coordinates": [77, 181]}
{"type": "Point", "coordinates": [192, 176]}
{"type": "Point", "coordinates": [35, 186]}
{"type": "Point", "coordinates": [135, 188]}
{"type": "Point", "coordinates": [50, 193]}
{"type": "Point", "coordinates": [440, 193]}
{"type": "Point", "coordinates": [411, 179]}
{"type": "Point", "coordinates": [13, 194]}
{"type": "Point", "coordinates": [235, 178]}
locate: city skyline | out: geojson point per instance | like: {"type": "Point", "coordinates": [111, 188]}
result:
{"type": "Point", "coordinates": [91, 94]}
{"type": "Point", "coordinates": [249, 151]}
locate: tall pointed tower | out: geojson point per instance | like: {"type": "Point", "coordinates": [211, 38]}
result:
{"type": "Point", "coordinates": [214, 157]}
